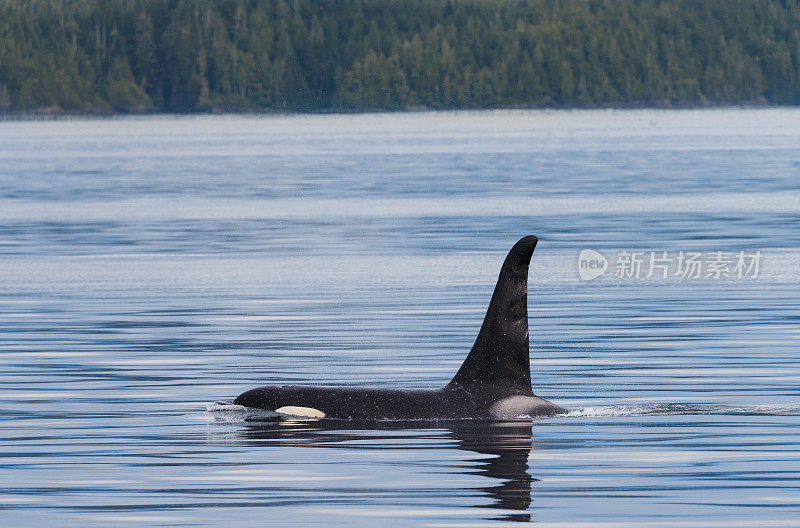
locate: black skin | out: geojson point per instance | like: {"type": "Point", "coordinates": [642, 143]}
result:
{"type": "Point", "coordinates": [493, 382]}
{"type": "Point", "coordinates": [363, 403]}
{"type": "Point", "coordinates": [392, 404]}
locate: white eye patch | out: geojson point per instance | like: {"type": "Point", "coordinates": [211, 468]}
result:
{"type": "Point", "coordinates": [307, 412]}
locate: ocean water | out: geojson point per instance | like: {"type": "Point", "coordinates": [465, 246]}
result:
{"type": "Point", "coordinates": [153, 268]}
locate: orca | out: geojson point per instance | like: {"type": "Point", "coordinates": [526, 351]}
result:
{"type": "Point", "coordinates": [494, 382]}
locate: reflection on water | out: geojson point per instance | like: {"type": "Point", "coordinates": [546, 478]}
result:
{"type": "Point", "coordinates": [149, 266]}
{"type": "Point", "coordinates": [505, 447]}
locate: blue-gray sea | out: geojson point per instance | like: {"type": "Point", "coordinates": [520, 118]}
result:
{"type": "Point", "coordinates": [152, 268]}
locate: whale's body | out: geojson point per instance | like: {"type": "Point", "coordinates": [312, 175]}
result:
{"type": "Point", "coordinates": [394, 404]}
{"type": "Point", "coordinates": [494, 382]}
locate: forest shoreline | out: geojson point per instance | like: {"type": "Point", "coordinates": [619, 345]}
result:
{"type": "Point", "coordinates": [56, 114]}
{"type": "Point", "coordinates": [186, 56]}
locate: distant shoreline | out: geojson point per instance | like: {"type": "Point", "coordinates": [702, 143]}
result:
{"type": "Point", "coordinates": [96, 58]}
{"type": "Point", "coordinates": [52, 114]}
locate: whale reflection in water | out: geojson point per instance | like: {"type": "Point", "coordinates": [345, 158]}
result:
{"type": "Point", "coordinates": [505, 444]}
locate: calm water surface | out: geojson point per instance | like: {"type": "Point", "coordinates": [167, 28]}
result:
{"type": "Point", "coordinates": [153, 268]}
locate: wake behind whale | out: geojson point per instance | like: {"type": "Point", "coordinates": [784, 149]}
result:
{"type": "Point", "coordinates": [494, 381]}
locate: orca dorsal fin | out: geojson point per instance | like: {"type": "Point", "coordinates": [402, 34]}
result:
{"type": "Point", "coordinates": [499, 358]}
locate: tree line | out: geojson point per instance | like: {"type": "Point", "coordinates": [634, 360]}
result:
{"type": "Point", "coordinates": [315, 55]}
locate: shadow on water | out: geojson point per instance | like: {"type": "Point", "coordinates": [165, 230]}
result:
{"type": "Point", "coordinates": [506, 446]}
